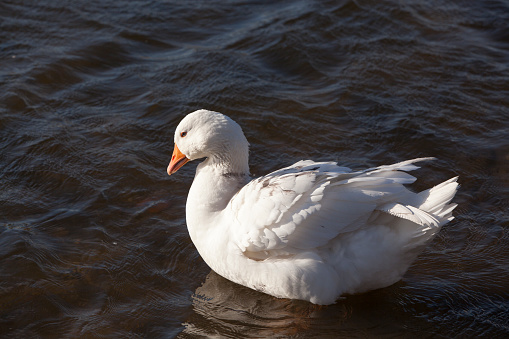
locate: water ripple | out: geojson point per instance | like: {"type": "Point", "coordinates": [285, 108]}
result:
{"type": "Point", "coordinates": [93, 241]}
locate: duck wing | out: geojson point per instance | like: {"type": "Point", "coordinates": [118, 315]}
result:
{"type": "Point", "coordinates": [305, 205]}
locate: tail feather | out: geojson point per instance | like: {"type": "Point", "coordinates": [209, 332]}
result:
{"type": "Point", "coordinates": [436, 200]}
{"type": "Point", "coordinates": [448, 211]}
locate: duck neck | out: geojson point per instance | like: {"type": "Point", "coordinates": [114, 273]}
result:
{"type": "Point", "coordinates": [231, 160]}
{"type": "Point", "coordinates": [215, 183]}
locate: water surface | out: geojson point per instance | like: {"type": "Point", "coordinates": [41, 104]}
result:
{"type": "Point", "coordinates": [93, 240]}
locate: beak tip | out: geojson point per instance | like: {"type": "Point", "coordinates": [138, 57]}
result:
{"type": "Point", "coordinates": [170, 169]}
{"type": "Point", "coordinates": [178, 159]}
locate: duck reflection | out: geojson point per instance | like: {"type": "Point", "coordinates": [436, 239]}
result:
{"type": "Point", "coordinates": [222, 307]}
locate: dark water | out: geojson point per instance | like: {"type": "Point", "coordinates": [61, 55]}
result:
{"type": "Point", "coordinates": [93, 241]}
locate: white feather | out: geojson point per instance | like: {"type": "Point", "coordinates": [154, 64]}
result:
{"type": "Point", "coordinates": [310, 231]}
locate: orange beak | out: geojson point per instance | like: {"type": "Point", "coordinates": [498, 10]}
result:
{"type": "Point", "coordinates": [177, 160]}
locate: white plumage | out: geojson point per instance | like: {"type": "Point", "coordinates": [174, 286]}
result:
{"type": "Point", "coordinates": [312, 231]}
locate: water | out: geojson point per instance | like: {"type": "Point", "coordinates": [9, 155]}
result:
{"type": "Point", "coordinates": [93, 241]}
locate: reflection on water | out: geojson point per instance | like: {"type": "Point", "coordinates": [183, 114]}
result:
{"type": "Point", "coordinates": [93, 241]}
{"type": "Point", "coordinates": [222, 308]}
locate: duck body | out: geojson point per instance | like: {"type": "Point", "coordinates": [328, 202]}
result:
{"type": "Point", "coordinates": [312, 231]}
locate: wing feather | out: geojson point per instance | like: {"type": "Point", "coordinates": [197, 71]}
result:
{"type": "Point", "coordinates": [306, 205]}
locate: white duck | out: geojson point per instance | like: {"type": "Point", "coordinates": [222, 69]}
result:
{"type": "Point", "coordinates": [312, 231]}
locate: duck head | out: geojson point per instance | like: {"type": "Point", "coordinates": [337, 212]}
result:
{"type": "Point", "coordinates": [212, 135]}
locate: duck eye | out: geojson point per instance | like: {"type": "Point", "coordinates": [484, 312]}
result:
{"type": "Point", "coordinates": [183, 134]}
